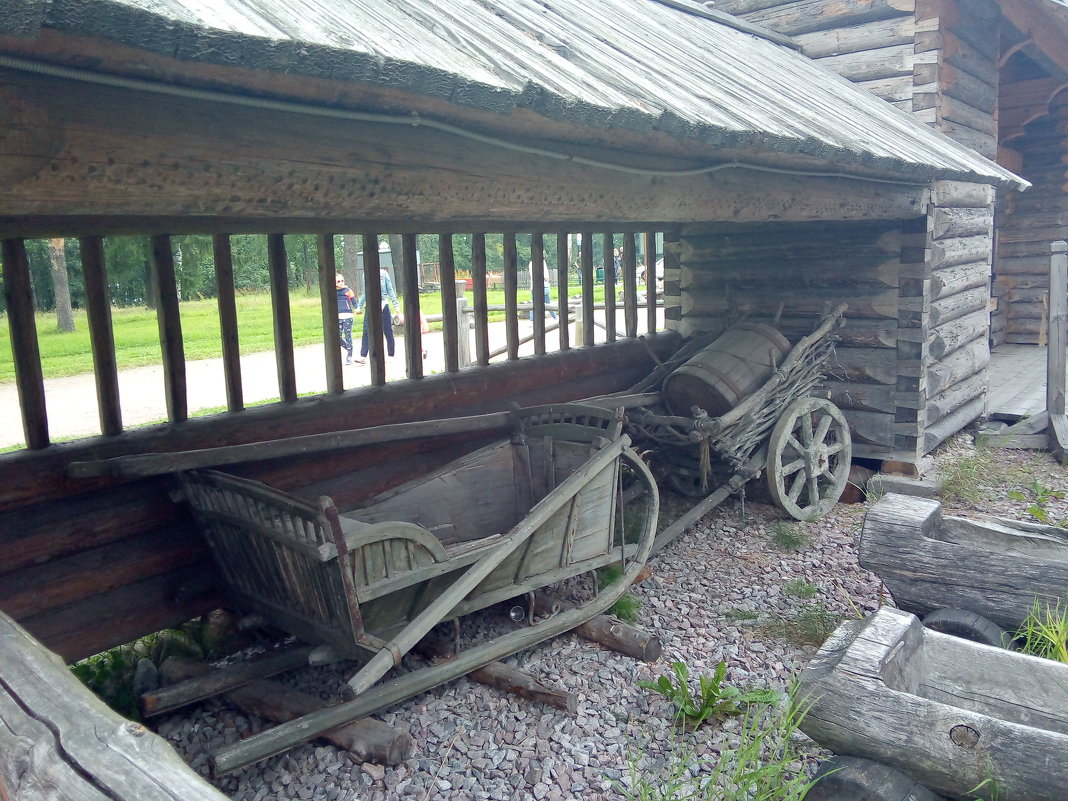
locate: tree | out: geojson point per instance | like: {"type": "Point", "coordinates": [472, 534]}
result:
{"type": "Point", "coordinates": [61, 286]}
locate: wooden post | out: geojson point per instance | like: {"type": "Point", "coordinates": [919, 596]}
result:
{"type": "Point", "coordinates": [373, 321]}
{"type": "Point", "coordinates": [478, 287]}
{"type": "Point", "coordinates": [586, 265]}
{"type": "Point", "coordinates": [18, 294]}
{"type": "Point", "coordinates": [511, 301]}
{"type": "Point", "coordinates": [101, 336]}
{"type": "Point", "coordinates": [562, 277]}
{"type": "Point", "coordinates": [463, 327]}
{"type": "Point", "coordinates": [650, 282]}
{"type": "Point", "coordinates": [449, 325]}
{"type": "Point", "coordinates": [169, 322]}
{"type": "Point", "coordinates": [278, 264]}
{"type": "Point", "coordinates": [537, 290]}
{"type": "Point", "coordinates": [580, 329]}
{"type": "Point", "coordinates": [227, 304]}
{"type": "Point", "coordinates": [1055, 349]}
{"type": "Point", "coordinates": [335, 378]}
{"type": "Point", "coordinates": [413, 332]}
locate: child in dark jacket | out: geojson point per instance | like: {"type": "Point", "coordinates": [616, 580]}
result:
{"type": "Point", "coordinates": [346, 309]}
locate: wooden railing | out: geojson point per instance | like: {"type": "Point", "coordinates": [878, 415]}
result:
{"type": "Point", "coordinates": [458, 353]}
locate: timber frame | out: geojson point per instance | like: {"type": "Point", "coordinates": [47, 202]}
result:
{"type": "Point", "coordinates": [104, 138]}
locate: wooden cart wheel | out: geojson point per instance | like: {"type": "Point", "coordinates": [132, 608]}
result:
{"type": "Point", "coordinates": [968, 626]}
{"type": "Point", "coordinates": [854, 779]}
{"type": "Point", "coordinates": [808, 458]}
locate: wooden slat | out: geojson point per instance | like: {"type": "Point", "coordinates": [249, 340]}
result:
{"type": "Point", "coordinates": [478, 283]}
{"type": "Point", "coordinates": [650, 281]}
{"type": "Point", "coordinates": [586, 265]}
{"type": "Point", "coordinates": [18, 296]}
{"type": "Point", "coordinates": [1058, 335]}
{"type": "Point", "coordinates": [101, 336]}
{"type": "Point", "coordinates": [630, 286]}
{"type": "Point", "coordinates": [372, 309]}
{"type": "Point", "coordinates": [335, 377]}
{"type": "Point", "coordinates": [413, 334]}
{"type": "Point", "coordinates": [511, 299]}
{"type": "Point", "coordinates": [170, 329]}
{"type": "Point", "coordinates": [562, 290]}
{"type": "Point", "coordinates": [537, 290]}
{"type": "Point", "coordinates": [609, 287]}
{"type": "Point", "coordinates": [447, 269]}
{"type": "Point", "coordinates": [278, 265]}
{"type": "Point", "coordinates": [231, 346]}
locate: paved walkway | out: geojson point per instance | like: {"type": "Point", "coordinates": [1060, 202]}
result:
{"type": "Point", "coordinates": [72, 407]}
{"type": "Point", "coordinates": [1017, 381]}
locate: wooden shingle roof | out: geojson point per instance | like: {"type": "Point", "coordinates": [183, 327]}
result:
{"type": "Point", "coordinates": [664, 66]}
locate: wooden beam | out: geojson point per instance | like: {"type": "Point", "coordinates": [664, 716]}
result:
{"type": "Point", "coordinates": [511, 299]}
{"type": "Point", "coordinates": [586, 268]}
{"type": "Point", "coordinates": [227, 301]}
{"type": "Point", "coordinates": [413, 331]}
{"type": "Point", "coordinates": [1058, 327]}
{"type": "Point", "coordinates": [22, 327]}
{"type": "Point", "coordinates": [449, 322]}
{"type": "Point", "coordinates": [278, 265]}
{"type": "Point", "coordinates": [169, 321]}
{"type": "Point", "coordinates": [537, 290]}
{"type": "Point", "coordinates": [372, 308]}
{"type": "Point", "coordinates": [650, 281]}
{"type": "Point", "coordinates": [101, 336]}
{"type": "Point", "coordinates": [609, 287]}
{"type": "Point", "coordinates": [630, 286]}
{"type": "Point", "coordinates": [563, 272]}
{"type": "Point", "coordinates": [335, 377]}
{"type": "Point", "coordinates": [478, 283]}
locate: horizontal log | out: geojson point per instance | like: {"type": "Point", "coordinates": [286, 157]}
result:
{"type": "Point", "coordinates": [953, 306]}
{"type": "Point", "coordinates": [1012, 250]}
{"type": "Point", "coordinates": [959, 332]}
{"type": "Point", "coordinates": [956, 222]}
{"type": "Point", "coordinates": [958, 278]}
{"type": "Point", "coordinates": [856, 333]}
{"type": "Point", "coordinates": [1042, 216]}
{"type": "Point", "coordinates": [805, 16]}
{"type": "Point", "coordinates": [957, 52]}
{"type": "Point", "coordinates": [939, 432]}
{"type": "Point", "coordinates": [1036, 264]}
{"type": "Point", "coordinates": [767, 301]}
{"type": "Point", "coordinates": [945, 403]}
{"type": "Point", "coordinates": [956, 367]}
{"type": "Point", "coordinates": [832, 272]}
{"type": "Point", "coordinates": [850, 395]}
{"type": "Point", "coordinates": [873, 428]}
{"type": "Point", "coordinates": [1041, 236]}
{"type": "Point", "coordinates": [898, 89]}
{"type": "Point", "coordinates": [721, 241]}
{"type": "Point", "coordinates": [867, 36]}
{"type": "Point", "coordinates": [1010, 285]}
{"type": "Point", "coordinates": [961, 194]}
{"type": "Point", "coordinates": [960, 250]}
{"type": "Point", "coordinates": [985, 144]}
{"type": "Point", "coordinates": [863, 365]}
{"type": "Point", "coordinates": [871, 65]}
{"type": "Point", "coordinates": [958, 84]}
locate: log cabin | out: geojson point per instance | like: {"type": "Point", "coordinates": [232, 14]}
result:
{"type": "Point", "coordinates": [993, 75]}
{"type": "Point", "coordinates": [776, 188]}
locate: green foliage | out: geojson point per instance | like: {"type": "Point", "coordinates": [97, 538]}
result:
{"type": "Point", "coordinates": [1038, 497]}
{"type": "Point", "coordinates": [800, 588]}
{"type": "Point", "coordinates": [627, 607]}
{"type": "Point", "coordinates": [788, 536]}
{"type": "Point", "coordinates": [713, 699]}
{"type": "Point", "coordinates": [811, 625]}
{"type": "Point", "coordinates": [761, 762]}
{"type": "Point", "coordinates": [1044, 632]}
{"type": "Point", "coordinates": [968, 477]}
{"type": "Point", "coordinates": [741, 615]}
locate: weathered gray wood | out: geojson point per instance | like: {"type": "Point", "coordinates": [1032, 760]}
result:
{"type": "Point", "coordinates": [985, 566]}
{"type": "Point", "coordinates": [206, 683]}
{"type": "Point", "coordinates": [519, 682]}
{"type": "Point", "coordinates": [1058, 327]}
{"type": "Point", "coordinates": [59, 742]}
{"type": "Point", "coordinates": [374, 322]}
{"type": "Point", "coordinates": [1058, 437]}
{"type": "Point", "coordinates": [169, 323]}
{"type": "Point", "coordinates": [957, 366]}
{"type": "Point", "coordinates": [951, 280]}
{"type": "Point", "coordinates": [98, 306]}
{"type": "Point", "coordinates": [946, 427]}
{"type": "Point", "coordinates": [961, 194]}
{"type": "Point", "coordinates": [864, 37]}
{"type": "Point", "coordinates": [413, 329]}
{"type": "Point", "coordinates": [803, 16]}
{"type": "Point", "coordinates": [282, 317]}
{"type": "Point", "coordinates": [151, 464]}
{"type": "Point", "coordinates": [367, 739]}
{"type": "Point", "coordinates": [957, 333]}
{"type": "Point", "coordinates": [950, 308]}
{"type": "Point", "coordinates": [948, 712]}
{"type": "Point", "coordinates": [956, 222]}
{"type": "Point", "coordinates": [960, 250]}
{"type": "Point", "coordinates": [945, 403]}
{"type": "Point", "coordinates": [18, 300]}
{"type": "Point", "coordinates": [227, 304]}
{"type": "Point", "coordinates": [869, 65]}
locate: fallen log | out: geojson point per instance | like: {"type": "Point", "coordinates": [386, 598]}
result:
{"type": "Point", "coordinates": [609, 631]}
{"type": "Point", "coordinates": [367, 739]}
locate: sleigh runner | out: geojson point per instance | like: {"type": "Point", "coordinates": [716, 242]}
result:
{"type": "Point", "coordinates": [515, 516]}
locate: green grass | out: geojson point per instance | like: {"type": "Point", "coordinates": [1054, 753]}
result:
{"type": "Point", "coordinates": [1045, 632]}
{"type": "Point", "coordinates": [800, 588]}
{"type": "Point", "coordinates": [811, 625]}
{"type": "Point", "coordinates": [136, 332]}
{"type": "Point", "coordinates": [788, 536]}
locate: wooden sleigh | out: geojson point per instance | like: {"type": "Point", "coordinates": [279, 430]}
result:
{"type": "Point", "coordinates": [934, 711]}
{"type": "Point", "coordinates": [513, 517]}
{"type": "Point", "coordinates": [964, 576]}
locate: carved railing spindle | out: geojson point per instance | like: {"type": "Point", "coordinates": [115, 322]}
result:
{"type": "Point", "coordinates": [630, 286]}
{"type": "Point", "coordinates": [450, 329]}
{"type": "Point", "coordinates": [278, 266]}
{"type": "Point", "coordinates": [231, 346]}
{"type": "Point", "coordinates": [478, 284]}
{"type": "Point", "coordinates": [170, 329]}
{"type": "Point", "coordinates": [586, 263]}
{"type": "Point", "coordinates": [101, 337]}
{"type": "Point", "coordinates": [372, 309]}
{"type": "Point", "coordinates": [335, 376]}
{"type": "Point", "coordinates": [562, 272]}
{"type": "Point", "coordinates": [537, 290]}
{"type": "Point", "coordinates": [18, 294]}
{"type": "Point", "coordinates": [413, 335]}
{"type": "Point", "coordinates": [511, 297]}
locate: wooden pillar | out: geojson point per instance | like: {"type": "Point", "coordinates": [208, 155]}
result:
{"type": "Point", "coordinates": [609, 287]}
{"type": "Point", "coordinates": [913, 316]}
{"type": "Point", "coordinates": [463, 327]}
{"type": "Point", "coordinates": [537, 290]}
{"type": "Point", "coordinates": [372, 309]}
{"type": "Point", "coordinates": [278, 264]}
{"type": "Point", "coordinates": [650, 281]}
{"type": "Point", "coordinates": [511, 299]}
{"type": "Point", "coordinates": [170, 329]}
{"type": "Point", "coordinates": [335, 377]}
{"type": "Point", "coordinates": [586, 264]}
{"type": "Point", "coordinates": [1055, 350]}
{"type": "Point", "coordinates": [101, 336]}
{"type": "Point", "coordinates": [478, 283]}
{"type": "Point", "coordinates": [18, 295]}
{"type": "Point", "coordinates": [562, 278]}
{"type": "Point", "coordinates": [630, 286]}
{"type": "Point", "coordinates": [413, 332]}
{"type": "Point", "coordinates": [227, 304]}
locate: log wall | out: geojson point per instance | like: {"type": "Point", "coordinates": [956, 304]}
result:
{"type": "Point", "coordinates": [789, 275]}
{"type": "Point", "coordinates": [1029, 222]}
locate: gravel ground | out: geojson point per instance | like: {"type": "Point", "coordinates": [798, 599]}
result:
{"type": "Point", "coordinates": [708, 595]}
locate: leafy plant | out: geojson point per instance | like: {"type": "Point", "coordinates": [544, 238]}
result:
{"type": "Point", "coordinates": [626, 608]}
{"type": "Point", "coordinates": [713, 699]}
{"type": "Point", "coordinates": [1038, 497]}
{"type": "Point", "coordinates": [1044, 632]}
{"type": "Point", "coordinates": [788, 536]}
{"type": "Point", "coordinates": [762, 762]}
{"type": "Point", "coordinates": [800, 588]}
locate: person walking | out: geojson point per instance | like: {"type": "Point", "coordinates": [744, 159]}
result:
{"type": "Point", "coordinates": [388, 294]}
{"type": "Point", "coordinates": [346, 308]}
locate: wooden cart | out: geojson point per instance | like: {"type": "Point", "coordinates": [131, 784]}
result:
{"type": "Point", "coordinates": [518, 515]}
{"type": "Point", "coordinates": [801, 440]}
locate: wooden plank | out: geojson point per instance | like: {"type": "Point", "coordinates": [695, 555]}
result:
{"type": "Point", "coordinates": [864, 37]}
{"type": "Point", "coordinates": [563, 278]}
{"type": "Point", "coordinates": [1058, 437]}
{"type": "Point", "coordinates": [22, 327]}
{"type": "Point", "coordinates": [278, 265]}
{"type": "Point", "coordinates": [478, 284]}
{"type": "Point", "coordinates": [450, 324]}
{"type": "Point", "coordinates": [413, 328]}
{"type": "Point", "coordinates": [649, 244]}
{"type": "Point", "coordinates": [1058, 327]}
{"type": "Point", "coordinates": [872, 65]}
{"type": "Point", "coordinates": [169, 322]}
{"type": "Point", "coordinates": [511, 295]}
{"type": "Point", "coordinates": [630, 286]}
{"type": "Point", "coordinates": [586, 272]}
{"type": "Point", "coordinates": [335, 377]}
{"type": "Point", "coordinates": [102, 340]}
{"type": "Point", "coordinates": [227, 304]}
{"type": "Point", "coordinates": [608, 246]}
{"type": "Point", "coordinates": [537, 289]}
{"type": "Point", "coordinates": [374, 322]}
{"type": "Point", "coordinates": [805, 16]}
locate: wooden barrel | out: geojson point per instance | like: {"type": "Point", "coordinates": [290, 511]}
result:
{"type": "Point", "coordinates": [740, 360]}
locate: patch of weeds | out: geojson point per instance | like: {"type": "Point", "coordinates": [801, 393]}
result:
{"type": "Point", "coordinates": [811, 625]}
{"type": "Point", "coordinates": [741, 615]}
{"type": "Point", "coordinates": [1038, 497]}
{"type": "Point", "coordinates": [627, 607]}
{"type": "Point", "coordinates": [714, 697]}
{"type": "Point", "coordinates": [761, 762]}
{"type": "Point", "coordinates": [800, 588]}
{"type": "Point", "coordinates": [968, 477]}
{"type": "Point", "coordinates": [789, 536]}
{"type": "Point", "coordinates": [1044, 632]}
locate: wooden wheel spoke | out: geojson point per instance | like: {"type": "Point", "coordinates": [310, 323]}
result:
{"type": "Point", "coordinates": [798, 484]}
{"type": "Point", "coordinates": [823, 427]}
{"type": "Point", "coordinates": [833, 449]}
{"type": "Point", "coordinates": [792, 467]}
{"type": "Point", "coordinates": [806, 429]}
{"type": "Point", "coordinates": [793, 443]}
{"type": "Point", "coordinates": [813, 489]}
{"type": "Point", "coordinates": [807, 450]}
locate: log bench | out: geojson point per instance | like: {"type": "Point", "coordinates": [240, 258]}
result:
{"type": "Point", "coordinates": [59, 742]}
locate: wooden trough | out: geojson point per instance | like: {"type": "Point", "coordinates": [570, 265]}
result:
{"type": "Point", "coordinates": [986, 566]}
{"type": "Point", "coordinates": [518, 515]}
{"type": "Point", "coordinates": [950, 713]}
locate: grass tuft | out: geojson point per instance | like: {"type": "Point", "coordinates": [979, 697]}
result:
{"type": "Point", "coordinates": [788, 536]}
